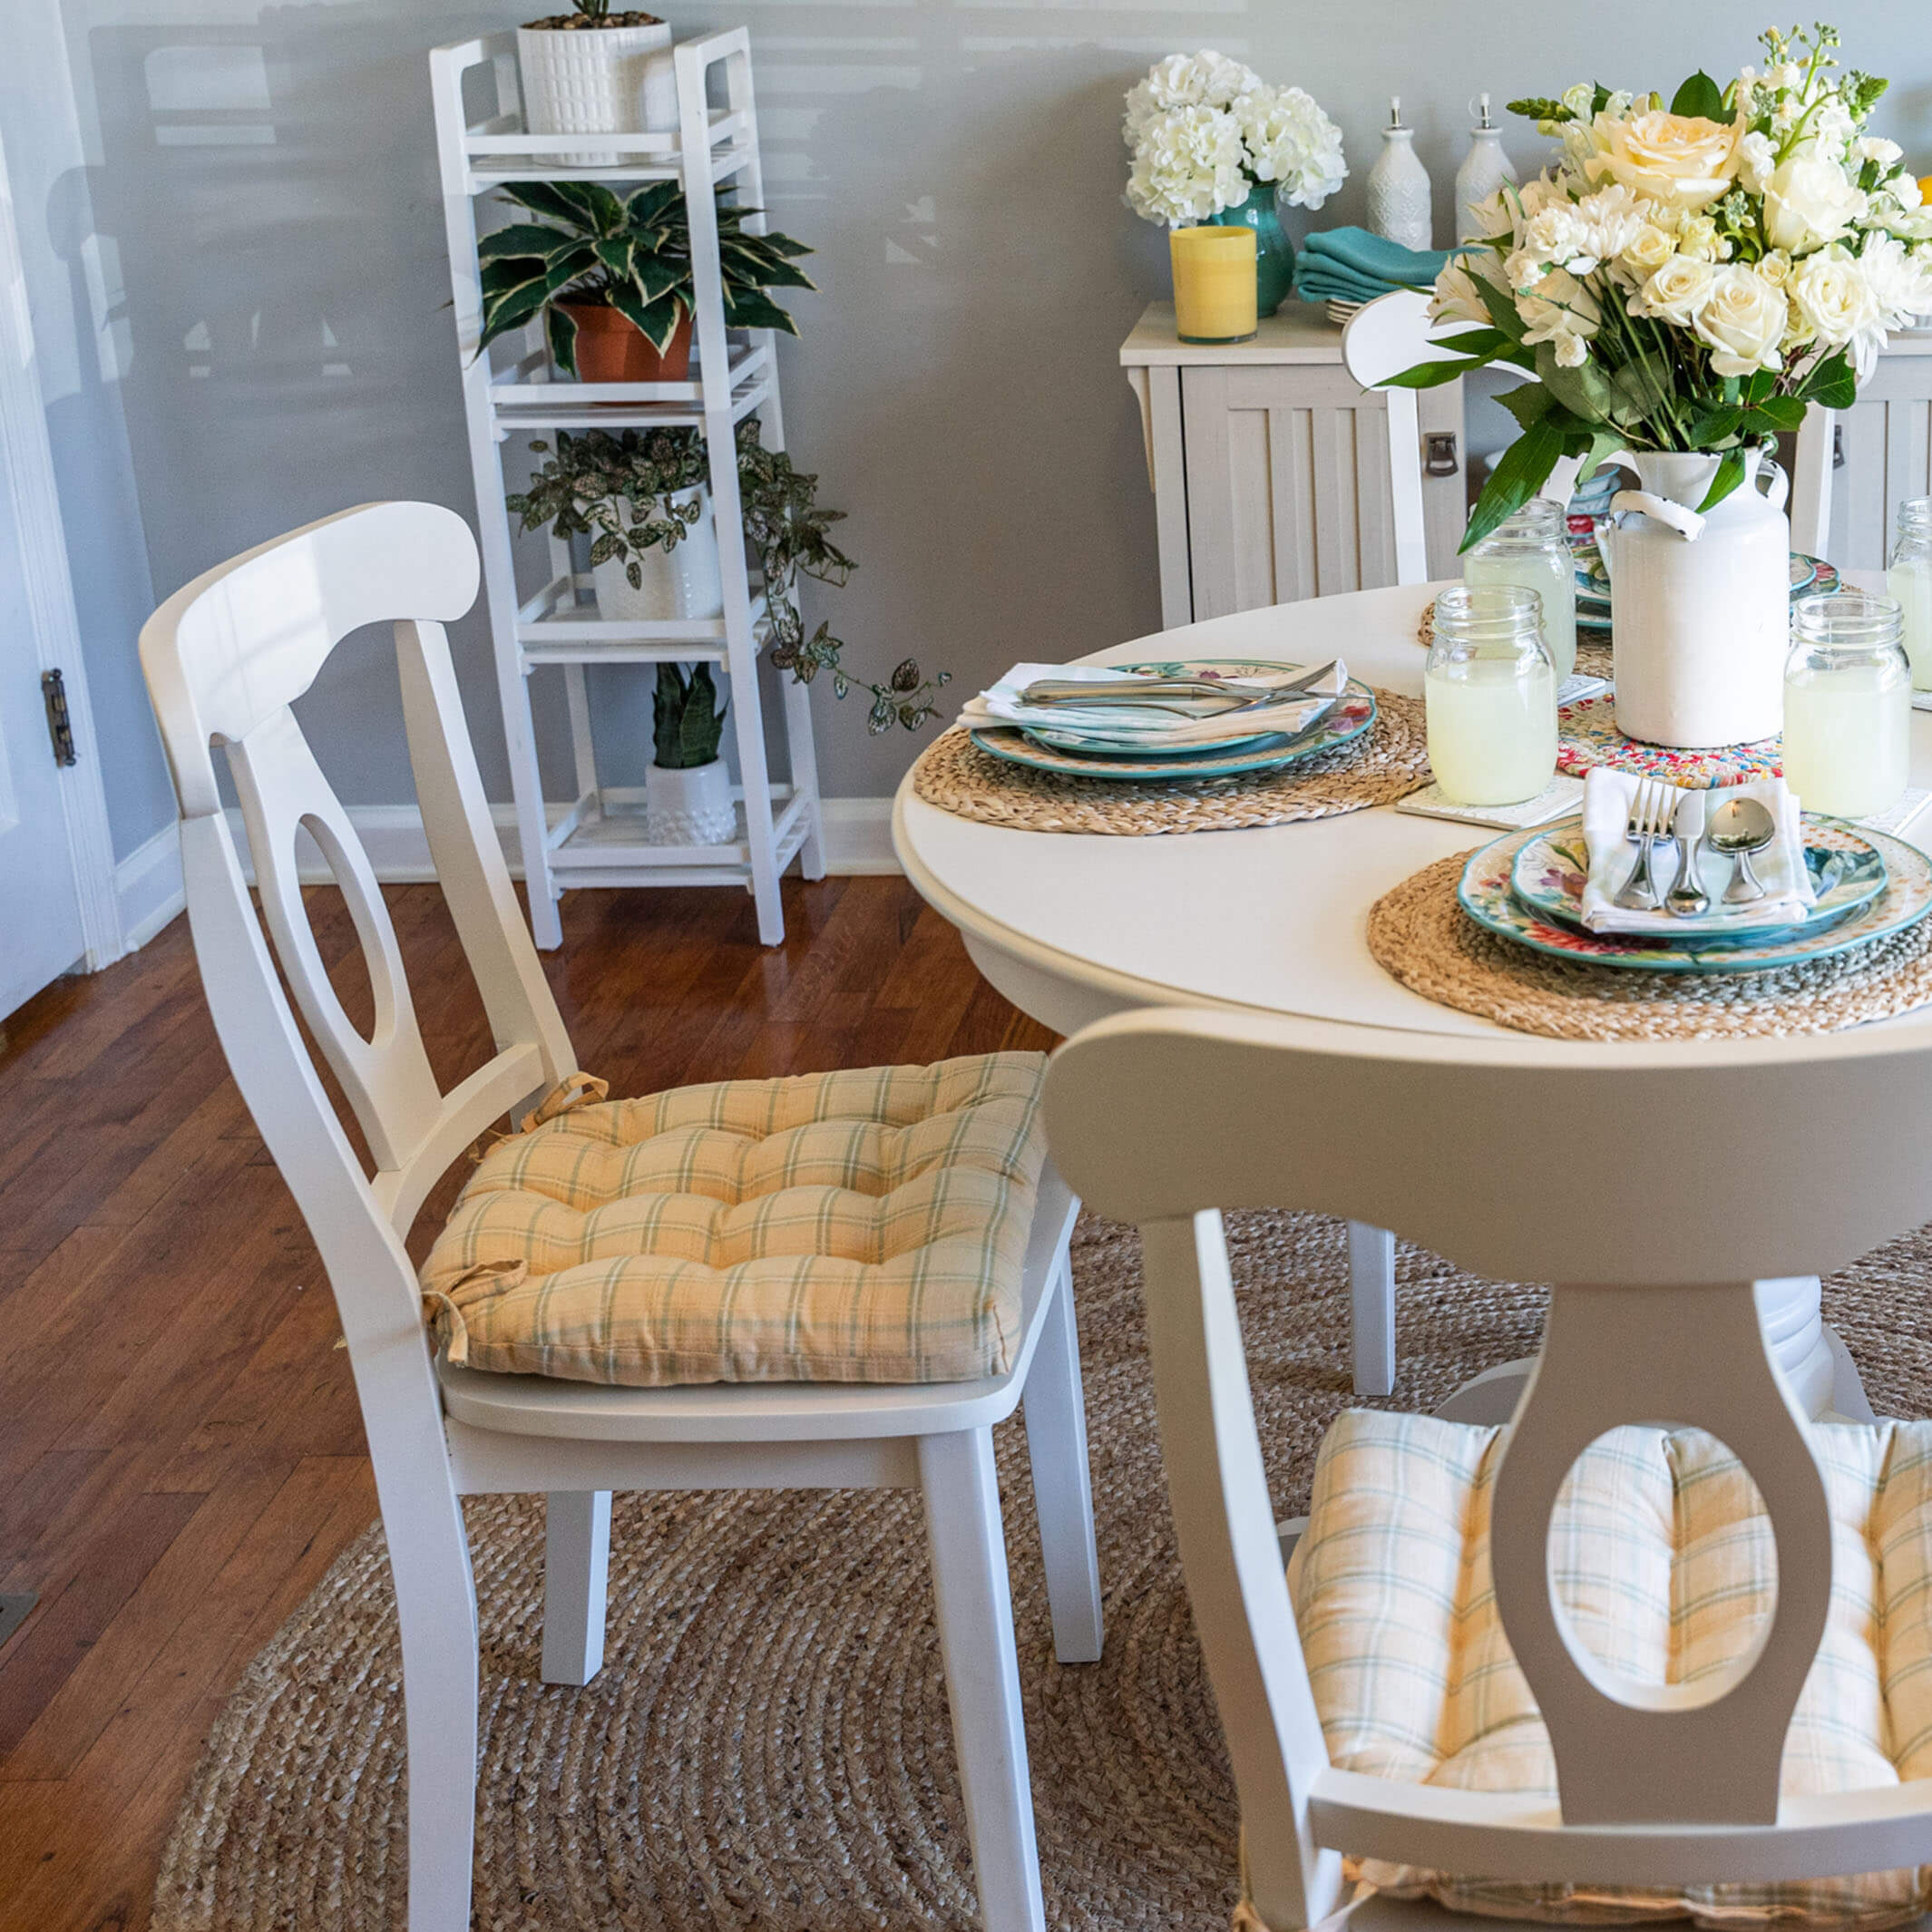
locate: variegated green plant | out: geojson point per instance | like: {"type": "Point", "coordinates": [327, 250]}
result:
{"type": "Point", "coordinates": [620, 491]}
{"type": "Point", "coordinates": [630, 252]}
{"type": "Point", "coordinates": [688, 722]}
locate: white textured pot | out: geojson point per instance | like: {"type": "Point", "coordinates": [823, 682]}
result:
{"type": "Point", "coordinates": [596, 81]}
{"type": "Point", "coordinates": [675, 584]}
{"type": "Point", "coordinates": [690, 807]}
{"type": "Point", "coordinates": [1700, 605]}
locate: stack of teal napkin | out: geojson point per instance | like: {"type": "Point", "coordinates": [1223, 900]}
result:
{"type": "Point", "coordinates": [1351, 265]}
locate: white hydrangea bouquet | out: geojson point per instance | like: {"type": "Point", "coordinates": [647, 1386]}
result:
{"type": "Point", "coordinates": [1203, 131]}
{"type": "Point", "coordinates": [1689, 278]}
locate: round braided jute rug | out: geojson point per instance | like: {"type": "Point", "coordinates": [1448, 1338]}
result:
{"type": "Point", "coordinates": [1419, 933]}
{"type": "Point", "coordinates": [1388, 762]}
{"type": "Point", "coordinates": [767, 1743]}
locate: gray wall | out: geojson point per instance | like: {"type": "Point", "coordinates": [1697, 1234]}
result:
{"type": "Point", "coordinates": [266, 176]}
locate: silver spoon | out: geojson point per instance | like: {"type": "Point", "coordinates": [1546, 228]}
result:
{"type": "Point", "coordinates": [1687, 897]}
{"type": "Point", "coordinates": [1737, 828]}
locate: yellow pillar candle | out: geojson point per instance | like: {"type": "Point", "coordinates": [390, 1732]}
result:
{"type": "Point", "coordinates": [1213, 283]}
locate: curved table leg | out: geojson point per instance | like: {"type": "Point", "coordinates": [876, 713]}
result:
{"type": "Point", "coordinates": [1372, 1308]}
{"type": "Point", "coordinates": [1815, 1362]}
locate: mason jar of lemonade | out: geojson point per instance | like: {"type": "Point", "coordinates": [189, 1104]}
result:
{"type": "Point", "coordinates": [1491, 693]}
{"type": "Point", "coordinates": [1532, 549]}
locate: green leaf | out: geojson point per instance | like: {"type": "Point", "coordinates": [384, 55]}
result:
{"type": "Point", "coordinates": [657, 320]}
{"type": "Point", "coordinates": [647, 205]}
{"type": "Point", "coordinates": [1711, 426]}
{"type": "Point", "coordinates": [1429, 375]}
{"type": "Point", "coordinates": [1778, 412]}
{"type": "Point", "coordinates": [1523, 469]}
{"type": "Point", "coordinates": [1501, 307]}
{"type": "Point", "coordinates": [1699, 95]}
{"type": "Point", "coordinates": [1585, 391]}
{"type": "Point", "coordinates": [700, 727]}
{"type": "Point", "coordinates": [1644, 384]}
{"type": "Point", "coordinates": [747, 308]}
{"type": "Point", "coordinates": [561, 328]}
{"type": "Point", "coordinates": [1759, 384]}
{"type": "Point", "coordinates": [1832, 384]}
{"type": "Point", "coordinates": [1730, 475]}
{"type": "Point", "coordinates": [523, 238]}
{"type": "Point", "coordinates": [547, 198]}
{"type": "Point", "coordinates": [1527, 402]}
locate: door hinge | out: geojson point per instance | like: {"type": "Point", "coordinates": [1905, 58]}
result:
{"type": "Point", "coordinates": [60, 727]}
{"type": "Point", "coordinates": [1438, 453]}
{"type": "Point", "coordinates": [1838, 446]}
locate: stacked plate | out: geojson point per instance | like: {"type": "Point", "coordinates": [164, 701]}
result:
{"type": "Point", "coordinates": [1243, 718]}
{"type": "Point", "coordinates": [1526, 887]}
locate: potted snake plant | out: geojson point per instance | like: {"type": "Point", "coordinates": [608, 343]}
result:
{"type": "Point", "coordinates": [686, 789]}
{"type": "Point", "coordinates": [611, 276]}
{"type": "Point", "coordinates": [640, 497]}
{"type": "Point", "coordinates": [593, 71]}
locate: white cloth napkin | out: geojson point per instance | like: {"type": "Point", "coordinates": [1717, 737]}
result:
{"type": "Point", "coordinates": [1779, 867]}
{"type": "Point", "coordinates": [1000, 704]}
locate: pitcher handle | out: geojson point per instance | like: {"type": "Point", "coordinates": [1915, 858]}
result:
{"type": "Point", "coordinates": [1773, 484]}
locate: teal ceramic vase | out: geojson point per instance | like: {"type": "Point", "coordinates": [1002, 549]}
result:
{"type": "Point", "coordinates": [1273, 252]}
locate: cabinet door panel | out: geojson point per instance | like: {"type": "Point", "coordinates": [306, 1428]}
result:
{"type": "Point", "coordinates": [1287, 471]}
{"type": "Point", "coordinates": [1887, 437]}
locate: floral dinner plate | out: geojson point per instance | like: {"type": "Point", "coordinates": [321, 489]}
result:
{"type": "Point", "coordinates": [1848, 872]}
{"type": "Point", "coordinates": [1487, 897]}
{"type": "Point", "coordinates": [1351, 716]}
{"type": "Point", "coordinates": [1593, 580]}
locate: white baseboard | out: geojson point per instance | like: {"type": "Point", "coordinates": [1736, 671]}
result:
{"type": "Point", "coordinates": [147, 881]}
{"type": "Point", "coordinates": [148, 885]}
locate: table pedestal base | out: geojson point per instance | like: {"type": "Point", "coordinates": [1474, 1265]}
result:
{"type": "Point", "coordinates": [1823, 1374]}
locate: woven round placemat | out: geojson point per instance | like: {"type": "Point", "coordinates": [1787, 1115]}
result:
{"type": "Point", "coordinates": [1593, 654]}
{"type": "Point", "coordinates": [1388, 762]}
{"type": "Point", "coordinates": [767, 1743]}
{"type": "Point", "coordinates": [1423, 936]}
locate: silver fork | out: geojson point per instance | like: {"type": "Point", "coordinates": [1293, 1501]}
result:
{"type": "Point", "coordinates": [1648, 821]}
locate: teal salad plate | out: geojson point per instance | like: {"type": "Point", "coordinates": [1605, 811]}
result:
{"type": "Point", "coordinates": [1593, 580]}
{"type": "Point", "coordinates": [1847, 873]}
{"type": "Point", "coordinates": [1350, 715]}
{"type": "Point", "coordinates": [1487, 896]}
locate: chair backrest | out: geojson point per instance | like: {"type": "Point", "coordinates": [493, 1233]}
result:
{"type": "Point", "coordinates": [1394, 333]}
{"type": "Point", "coordinates": [1653, 1185]}
{"type": "Point", "coordinates": [224, 659]}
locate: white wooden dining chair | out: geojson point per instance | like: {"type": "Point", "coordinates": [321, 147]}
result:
{"type": "Point", "coordinates": [1393, 333]}
{"type": "Point", "coordinates": [1654, 1185]}
{"type": "Point", "coordinates": [224, 659]}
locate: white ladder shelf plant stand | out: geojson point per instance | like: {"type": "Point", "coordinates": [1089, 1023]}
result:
{"type": "Point", "coordinates": [602, 838]}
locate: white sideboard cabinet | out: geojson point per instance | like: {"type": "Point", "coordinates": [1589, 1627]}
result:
{"type": "Point", "coordinates": [1270, 467]}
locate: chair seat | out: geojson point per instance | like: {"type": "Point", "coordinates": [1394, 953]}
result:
{"type": "Point", "coordinates": [1665, 1564]}
{"type": "Point", "coordinates": [859, 1226]}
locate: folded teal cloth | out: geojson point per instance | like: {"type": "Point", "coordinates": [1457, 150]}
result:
{"type": "Point", "coordinates": [1351, 265]}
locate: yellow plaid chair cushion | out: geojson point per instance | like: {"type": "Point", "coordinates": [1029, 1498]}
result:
{"type": "Point", "coordinates": [865, 1226]}
{"type": "Point", "coordinates": [1665, 1564]}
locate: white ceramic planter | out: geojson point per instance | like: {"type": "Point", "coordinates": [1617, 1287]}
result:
{"type": "Point", "coordinates": [690, 807]}
{"type": "Point", "coordinates": [681, 583]}
{"type": "Point", "coordinates": [596, 81]}
{"type": "Point", "coordinates": [1700, 605]}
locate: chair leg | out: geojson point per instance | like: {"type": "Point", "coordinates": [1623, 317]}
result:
{"type": "Point", "coordinates": [1056, 1418]}
{"type": "Point", "coordinates": [1372, 1308]}
{"type": "Point", "coordinates": [982, 1673]}
{"type": "Point", "coordinates": [435, 1601]}
{"type": "Point", "coordinates": [576, 1576]}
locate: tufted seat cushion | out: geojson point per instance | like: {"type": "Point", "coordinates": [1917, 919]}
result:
{"type": "Point", "coordinates": [846, 1227]}
{"type": "Point", "coordinates": [1664, 1563]}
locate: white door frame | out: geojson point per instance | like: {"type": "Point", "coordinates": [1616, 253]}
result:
{"type": "Point", "coordinates": [29, 459]}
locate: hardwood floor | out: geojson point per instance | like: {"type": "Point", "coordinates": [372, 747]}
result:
{"type": "Point", "coordinates": [181, 1457]}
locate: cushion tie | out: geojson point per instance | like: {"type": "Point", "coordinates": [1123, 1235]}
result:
{"type": "Point", "coordinates": [443, 1312]}
{"type": "Point", "coordinates": [573, 1091]}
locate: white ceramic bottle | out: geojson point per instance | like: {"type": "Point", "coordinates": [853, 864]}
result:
{"type": "Point", "coordinates": [1398, 192]}
{"type": "Point", "coordinates": [1485, 168]}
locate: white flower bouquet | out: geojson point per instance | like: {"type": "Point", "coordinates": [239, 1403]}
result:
{"type": "Point", "coordinates": [1689, 278]}
{"type": "Point", "coordinates": [1203, 131]}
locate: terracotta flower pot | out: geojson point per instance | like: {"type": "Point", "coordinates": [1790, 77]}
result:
{"type": "Point", "coordinates": [612, 349]}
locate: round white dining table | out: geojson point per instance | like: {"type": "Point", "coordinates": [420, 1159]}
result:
{"type": "Point", "coordinates": [1073, 926]}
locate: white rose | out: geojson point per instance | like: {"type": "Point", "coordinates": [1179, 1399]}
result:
{"type": "Point", "coordinates": [1697, 236]}
{"type": "Point", "coordinates": [1834, 295]}
{"type": "Point", "coordinates": [1741, 321]}
{"type": "Point", "coordinates": [1647, 252]}
{"type": "Point", "coordinates": [1774, 268]}
{"type": "Point", "coordinates": [1682, 159]}
{"type": "Point", "coordinates": [1677, 290]}
{"type": "Point", "coordinates": [1809, 201]}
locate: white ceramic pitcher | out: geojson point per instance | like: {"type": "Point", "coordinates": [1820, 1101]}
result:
{"type": "Point", "coordinates": [1700, 603]}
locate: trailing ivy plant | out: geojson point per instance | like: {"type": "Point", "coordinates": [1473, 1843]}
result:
{"type": "Point", "coordinates": [688, 722]}
{"type": "Point", "coordinates": [591, 481]}
{"type": "Point", "coordinates": [582, 490]}
{"type": "Point", "coordinates": [630, 253]}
